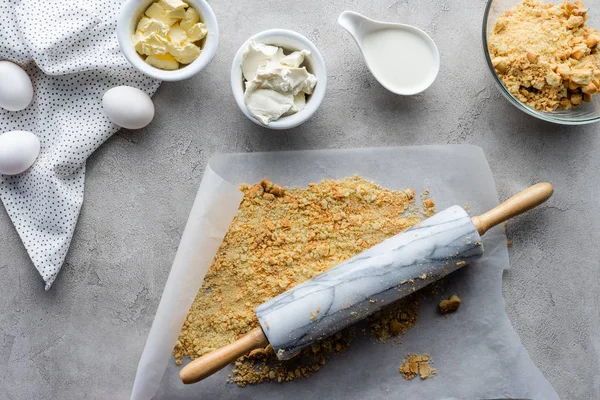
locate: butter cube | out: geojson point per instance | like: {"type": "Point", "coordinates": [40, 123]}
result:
{"type": "Point", "coordinates": [148, 26]}
{"type": "Point", "coordinates": [174, 8]}
{"type": "Point", "coordinates": [190, 18]}
{"type": "Point", "coordinates": [179, 14]}
{"type": "Point", "coordinates": [158, 12]}
{"type": "Point", "coordinates": [171, 5]}
{"type": "Point", "coordinates": [177, 34]}
{"type": "Point", "coordinates": [197, 32]}
{"type": "Point", "coordinates": [185, 53]}
{"type": "Point", "coordinates": [163, 61]}
{"type": "Point", "coordinates": [150, 45]}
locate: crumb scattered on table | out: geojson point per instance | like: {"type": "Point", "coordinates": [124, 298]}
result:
{"type": "Point", "coordinates": [417, 365]}
{"type": "Point", "coordinates": [450, 305]}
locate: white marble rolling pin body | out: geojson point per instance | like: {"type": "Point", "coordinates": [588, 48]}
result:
{"type": "Point", "coordinates": [363, 284]}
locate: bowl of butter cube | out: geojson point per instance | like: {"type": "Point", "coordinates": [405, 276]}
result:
{"type": "Point", "coordinates": [170, 40]}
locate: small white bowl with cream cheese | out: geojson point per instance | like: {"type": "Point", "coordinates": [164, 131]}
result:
{"type": "Point", "coordinates": [278, 78]}
{"type": "Point", "coordinates": [167, 17]}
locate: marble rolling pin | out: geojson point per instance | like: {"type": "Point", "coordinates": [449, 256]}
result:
{"type": "Point", "coordinates": [363, 284]}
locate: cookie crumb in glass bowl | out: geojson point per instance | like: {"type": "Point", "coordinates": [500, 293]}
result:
{"type": "Point", "coordinates": [545, 55]}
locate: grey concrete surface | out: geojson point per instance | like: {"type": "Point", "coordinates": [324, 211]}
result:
{"type": "Point", "coordinates": [83, 338]}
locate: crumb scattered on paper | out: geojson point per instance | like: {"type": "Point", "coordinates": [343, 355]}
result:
{"type": "Point", "coordinates": [428, 204]}
{"type": "Point", "coordinates": [509, 243]}
{"type": "Point", "coordinates": [450, 305]}
{"type": "Point", "coordinates": [417, 365]}
{"type": "Point", "coordinates": [279, 238]}
{"type": "Point", "coordinates": [262, 365]}
{"type": "Point", "coordinates": [396, 319]}
{"type": "Point", "coordinates": [546, 55]}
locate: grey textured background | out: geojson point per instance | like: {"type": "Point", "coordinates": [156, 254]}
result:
{"type": "Point", "coordinates": [83, 338]}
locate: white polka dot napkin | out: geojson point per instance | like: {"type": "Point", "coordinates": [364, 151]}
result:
{"type": "Point", "coordinates": [70, 51]}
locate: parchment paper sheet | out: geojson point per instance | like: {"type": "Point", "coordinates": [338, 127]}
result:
{"type": "Point", "coordinates": [476, 352]}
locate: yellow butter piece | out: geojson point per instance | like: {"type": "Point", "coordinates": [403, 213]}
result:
{"type": "Point", "coordinates": [158, 12]}
{"type": "Point", "coordinates": [190, 18]}
{"type": "Point", "coordinates": [185, 53]}
{"type": "Point", "coordinates": [179, 14]}
{"type": "Point", "coordinates": [170, 5]}
{"type": "Point", "coordinates": [177, 34]}
{"type": "Point", "coordinates": [163, 61]}
{"type": "Point", "coordinates": [197, 32]}
{"type": "Point", "coordinates": [148, 26]}
{"type": "Point", "coordinates": [150, 45]}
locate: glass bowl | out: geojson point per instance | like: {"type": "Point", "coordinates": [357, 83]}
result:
{"type": "Point", "coordinates": [585, 113]}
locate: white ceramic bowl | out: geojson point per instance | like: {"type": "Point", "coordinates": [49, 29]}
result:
{"type": "Point", "coordinates": [131, 13]}
{"type": "Point", "coordinates": [290, 41]}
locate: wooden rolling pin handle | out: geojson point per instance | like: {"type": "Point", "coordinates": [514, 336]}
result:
{"type": "Point", "coordinates": [216, 360]}
{"type": "Point", "coordinates": [529, 198]}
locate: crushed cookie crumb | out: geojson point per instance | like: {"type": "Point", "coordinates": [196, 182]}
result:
{"type": "Point", "coordinates": [428, 204]}
{"type": "Point", "coordinates": [270, 187]}
{"type": "Point", "coordinates": [417, 365]}
{"type": "Point", "coordinates": [450, 305]}
{"type": "Point", "coordinates": [279, 238]}
{"type": "Point", "coordinates": [545, 54]}
{"type": "Point", "coordinates": [395, 319]}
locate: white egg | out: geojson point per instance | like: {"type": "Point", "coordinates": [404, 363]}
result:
{"type": "Point", "coordinates": [18, 151]}
{"type": "Point", "coordinates": [16, 91]}
{"type": "Point", "coordinates": [128, 107]}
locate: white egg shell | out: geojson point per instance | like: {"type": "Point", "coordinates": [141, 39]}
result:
{"type": "Point", "coordinates": [18, 151]}
{"type": "Point", "coordinates": [128, 107]}
{"type": "Point", "coordinates": [16, 91]}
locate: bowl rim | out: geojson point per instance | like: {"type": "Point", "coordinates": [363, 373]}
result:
{"type": "Point", "coordinates": [319, 69]}
{"type": "Point", "coordinates": [132, 9]}
{"type": "Point", "coordinates": [544, 116]}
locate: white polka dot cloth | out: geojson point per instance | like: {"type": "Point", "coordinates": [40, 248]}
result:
{"type": "Point", "coordinates": [70, 51]}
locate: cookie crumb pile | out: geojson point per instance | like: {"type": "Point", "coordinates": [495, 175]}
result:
{"type": "Point", "coordinates": [546, 55]}
{"type": "Point", "coordinates": [417, 365]}
{"type": "Point", "coordinates": [450, 305]}
{"type": "Point", "coordinates": [279, 238]}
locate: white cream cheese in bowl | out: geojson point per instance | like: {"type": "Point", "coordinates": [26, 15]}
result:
{"type": "Point", "coordinates": [276, 84]}
{"type": "Point", "coordinates": [278, 78]}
